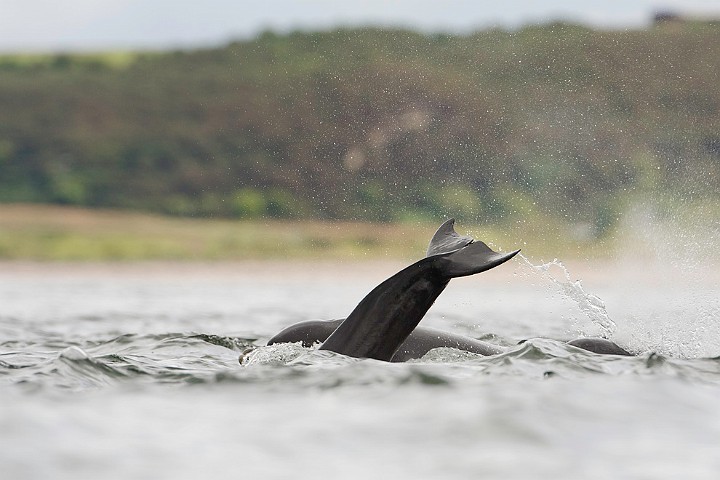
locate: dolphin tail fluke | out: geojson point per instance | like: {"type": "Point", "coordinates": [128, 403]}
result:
{"type": "Point", "coordinates": [474, 258]}
{"type": "Point", "coordinates": [460, 255]}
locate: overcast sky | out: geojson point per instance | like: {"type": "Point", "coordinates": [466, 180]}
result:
{"type": "Point", "coordinates": [61, 25]}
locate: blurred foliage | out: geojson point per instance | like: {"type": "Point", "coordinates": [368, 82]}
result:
{"type": "Point", "coordinates": [556, 121]}
{"type": "Point", "coordinates": [70, 233]}
{"type": "Point", "coordinates": [67, 233]}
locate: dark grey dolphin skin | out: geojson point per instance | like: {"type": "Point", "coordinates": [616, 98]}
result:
{"type": "Point", "coordinates": [418, 343]}
{"type": "Point", "coordinates": [423, 339]}
{"type": "Point", "coordinates": [384, 319]}
{"type": "Point", "coordinates": [599, 345]}
{"type": "Point", "coordinates": [387, 316]}
{"type": "Point", "coordinates": [390, 312]}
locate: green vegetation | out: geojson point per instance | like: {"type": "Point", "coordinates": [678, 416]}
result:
{"type": "Point", "coordinates": [65, 233]}
{"type": "Point", "coordinates": [69, 233]}
{"type": "Point", "coordinates": [556, 123]}
{"type": "Point", "coordinates": [44, 232]}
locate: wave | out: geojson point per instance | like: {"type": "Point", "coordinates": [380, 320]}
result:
{"type": "Point", "coordinates": [533, 359]}
{"type": "Point", "coordinates": [183, 359]}
{"type": "Point", "coordinates": [159, 358]}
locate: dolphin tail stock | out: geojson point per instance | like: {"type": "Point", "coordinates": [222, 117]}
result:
{"type": "Point", "coordinates": [387, 315]}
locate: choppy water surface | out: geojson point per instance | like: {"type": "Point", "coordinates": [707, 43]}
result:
{"type": "Point", "coordinates": [134, 372]}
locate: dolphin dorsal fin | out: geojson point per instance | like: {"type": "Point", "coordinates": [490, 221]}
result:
{"type": "Point", "coordinates": [447, 240]}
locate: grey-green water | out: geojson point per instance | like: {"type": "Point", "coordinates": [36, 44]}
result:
{"type": "Point", "coordinates": [123, 372]}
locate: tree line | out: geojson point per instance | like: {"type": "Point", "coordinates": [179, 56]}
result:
{"type": "Point", "coordinates": [556, 120]}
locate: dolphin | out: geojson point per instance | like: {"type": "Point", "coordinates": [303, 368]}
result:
{"type": "Point", "coordinates": [418, 343]}
{"type": "Point", "coordinates": [384, 324]}
{"type": "Point", "coordinates": [423, 339]}
{"type": "Point", "coordinates": [384, 319]}
{"type": "Point", "coordinates": [602, 346]}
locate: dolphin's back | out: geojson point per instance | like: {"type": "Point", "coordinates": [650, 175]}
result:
{"type": "Point", "coordinates": [309, 332]}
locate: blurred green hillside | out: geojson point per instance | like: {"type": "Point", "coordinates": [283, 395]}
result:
{"type": "Point", "coordinates": [554, 121]}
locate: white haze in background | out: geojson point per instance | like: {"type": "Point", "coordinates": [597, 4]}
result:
{"type": "Point", "coordinates": [86, 25]}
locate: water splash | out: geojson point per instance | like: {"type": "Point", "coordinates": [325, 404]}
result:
{"type": "Point", "coordinates": [278, 354]}
{"type": "Point", "coordinates": [591, 305]}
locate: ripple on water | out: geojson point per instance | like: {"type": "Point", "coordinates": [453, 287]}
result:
{"type": "Point", "coordinates": [534, 359]}
{"type": "Point", "coordinates": [181, 359]}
